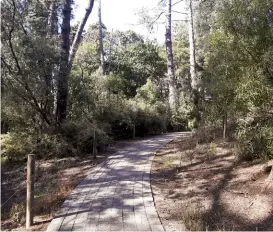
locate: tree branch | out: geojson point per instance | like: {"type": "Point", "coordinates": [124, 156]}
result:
{"type": "Point", "coordinates": [158, 17]}
{"type": "Point", "coordinates": [177, 2]}
{"type": "Point", "coordinates": [78, 35]}
{"type": "Point", "coordinates": [10, 38]}
{"type": "Point", "coordinates": [23, 83]}
{"type": "Point", "coordinates": [154, 21]}
{"type": "Point", "coordinates": [6, 64]}
{"type": "Point", "coordinates": [179, 12]}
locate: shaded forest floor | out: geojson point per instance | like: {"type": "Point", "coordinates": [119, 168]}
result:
{"type": "Point", "coordinates": [54, 180]}
{"type": "Point", "coordinates": [203, 187]}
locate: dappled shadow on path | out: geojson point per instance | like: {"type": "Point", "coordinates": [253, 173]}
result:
{"type": "Point", "coordinates": [117, 195]}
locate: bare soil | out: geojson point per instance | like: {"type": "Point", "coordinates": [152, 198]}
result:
{"type": "Point", "coordinates": [204, 187]}
{"type": "Point", "coordinates": [54, 181]}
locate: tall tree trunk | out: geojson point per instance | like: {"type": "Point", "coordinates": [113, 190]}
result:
{"type": "Point", "coordinates": [194, 79]}
{"type": "Point", "coordinates": [102, 63]}
{"type": "Point", "coordinates": [51, 92]}
{"type": "Point", "coordinates": [170, 63]}
{"type": "Point", "coordinates": [52, 19]}
{"type": "Point", "coordinates": [62, 87]}
{"type": "Point", "coordinates": [194, 82]}
{"type": "Point", "coordinates": [110, 52]}
{"type": "Point", "coordinates": [77, 38]}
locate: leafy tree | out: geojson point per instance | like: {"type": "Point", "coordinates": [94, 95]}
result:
{"type": "Point", "coordinates": [27, 58]}
{"type": "Point", "coordinates": [239, 76]}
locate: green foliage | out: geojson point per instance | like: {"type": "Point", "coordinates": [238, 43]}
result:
{"type": "Point", "coordinates": [132, 96]}
{"type": "Point", "coordinates": [150, 119]}
{"type": "Point", "coordinates": [73, 139]}
{"type": "Point", "coordinates": [192, 123]}
{"type": "Point", "coordinates": [255, 140]}
{"type": "Point", "coordinates": [16, 146]}
{"type": "Point", "coordinates": [238, 74]}
{"type": "Point", "coordinates": [213, 148]}
{"type": "Point", "coordinates": [101, 101]}
{"type": "Point", "coordinates": [255, 129]}
{"type": "Point", "coordinates": [87, 58]}
{"type": "Point", "coordinates": [115, 84]}
{"type": "Point", "coordinates": [149, 92]}
{"type": "Point", "coordinates": [181, 52]}
{"type": "Point", "coordinates": [135, 63]}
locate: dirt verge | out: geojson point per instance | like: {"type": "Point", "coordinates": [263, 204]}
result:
{"type": "Point", "coordinates": [203, 187]}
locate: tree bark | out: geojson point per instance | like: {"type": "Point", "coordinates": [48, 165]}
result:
{"type": "Point", "coordinates": [170, 63]}
{"type": "Point", "coordinates": [51, 92]}
{"type": "Point", "coordinates": [110, 52]}
{"type": "Point", "coordinates": [62, 87]}
{"type": "Point", "coordinates": [102, 63]}
{"type": "Point", "coordinates": [52, 19]}
{"type": "Point", "coordinates": [194, 81]}
{"type": "Point", "coordinates": [77, 38]}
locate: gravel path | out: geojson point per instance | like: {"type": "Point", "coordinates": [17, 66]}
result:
{"type": "Point", "coordinates": [116, 195]}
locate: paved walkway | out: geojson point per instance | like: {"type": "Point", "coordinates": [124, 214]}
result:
{"type": "Point", "coordinates": [116, 195]}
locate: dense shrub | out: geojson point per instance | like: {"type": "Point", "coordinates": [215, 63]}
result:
{"type": "Point", "coordinates": [16, 146]}
{"type": "Point", "coordinates": [97, 103]}
{"type": "Point", "coordinates": [76, 138]}
{"type": "Point", "coordinates": [255, 139]}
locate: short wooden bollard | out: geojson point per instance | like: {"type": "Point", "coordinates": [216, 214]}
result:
{"type": "Point", "coordinates": [30, 190]}
{"type": "Point", "coordinates": [134, 131]}
{"type": "Point", "coordinates": [94, 144]}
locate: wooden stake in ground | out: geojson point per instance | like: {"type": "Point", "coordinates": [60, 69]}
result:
{"type": "Point", "coordinates": [134, 131]}
{"type": "Point", "coordinates": [270, 177]}
{"type": "Point", "coordinates": [30, 189]}
{"type": "Point", "coordinates": [94, 144]}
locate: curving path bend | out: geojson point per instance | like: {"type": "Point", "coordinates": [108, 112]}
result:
{"type": "Point", "coordinates": [116, 195]}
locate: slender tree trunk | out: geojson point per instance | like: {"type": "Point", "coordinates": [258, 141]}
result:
{"type": "Point", "coordinates": [110, 52]}
{"type": "Point", "coordinates": [224, 125]}
{"type": "Point", "coordinates": [62, 87]}
{"type": "Point", "coordinates": [170, 63]}
{"type": "Point", "coordinates": [102, 63]}
{"type": "Point", "coordinates": [194, 79]}
{"type": "Point", "coordinates": [51, 92]}
{"type": "Point", "coordinates": [194, 82]}
{"type": "Point", "coordinates": [77, 38]}
{"type": "Point", "coordinates": [52, 19]}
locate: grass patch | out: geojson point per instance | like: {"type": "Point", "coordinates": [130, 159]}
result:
{"type": "Point", "coordinates": [168, 162]}
{"type": "Point", "coordinates": [192, 217]}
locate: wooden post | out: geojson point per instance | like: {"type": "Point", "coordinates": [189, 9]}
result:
{"type": "Point", "coordinates": [94, 144]}
{"type": "Point", "coordinates": [224, 125]}
{"type": "Point", "coordinates": [134, 131]}
{"type": "Point", "coordinates": [270, 167]}
{"type": "Point", "coordinates": [30, 189]}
